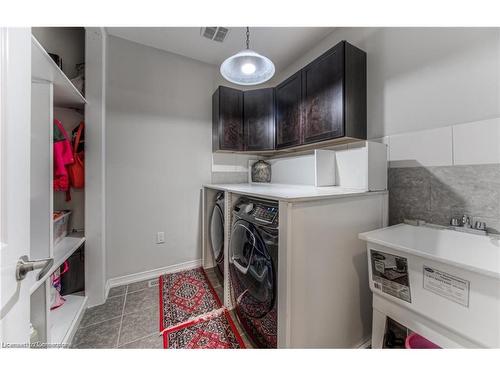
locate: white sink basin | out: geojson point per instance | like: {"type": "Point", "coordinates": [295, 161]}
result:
{"type": "Point", "coordinates": [469, 251]}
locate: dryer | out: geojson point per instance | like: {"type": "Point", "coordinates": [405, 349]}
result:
{"type": "Point", "coordinates": [253, 266]}
{"type": "Point", "coordinates": [217, 233]}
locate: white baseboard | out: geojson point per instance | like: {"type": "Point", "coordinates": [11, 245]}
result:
{"type": "Point", "coordinates": [365, 344]}
{"type": "Point", "coordinates": [146, 275]}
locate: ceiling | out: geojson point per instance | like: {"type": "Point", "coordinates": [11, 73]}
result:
{"type": "Point", "coordinates": [282, 45]}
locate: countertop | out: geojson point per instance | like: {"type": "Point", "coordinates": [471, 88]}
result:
{"type": "Point", "coordinates": [290, 193]}
{"type": "Point", "coordinates": [473, 252]}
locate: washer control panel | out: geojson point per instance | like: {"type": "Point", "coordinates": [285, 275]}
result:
{"type": "Point", "coordinates": [266, 214]}
{"type": "Point", "coordinates": [258, 212]}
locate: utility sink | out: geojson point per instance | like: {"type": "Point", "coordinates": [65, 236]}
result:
{"type": "Point", "coordinates": [464, 250]}
{"type": "Point", "coordinates": [438, 282]}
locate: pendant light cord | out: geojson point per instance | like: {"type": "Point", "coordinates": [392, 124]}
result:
{"type": "Point", "coordinates": [248, 37]}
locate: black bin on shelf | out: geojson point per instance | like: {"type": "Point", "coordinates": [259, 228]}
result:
{"type": "Point", "coordinates": [73, 281]}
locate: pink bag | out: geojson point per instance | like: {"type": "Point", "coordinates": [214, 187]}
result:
{"type": "Point", "coordinates": [63, 156]}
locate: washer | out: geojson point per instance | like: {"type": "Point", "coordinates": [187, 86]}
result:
{"type": "Point", "coordinates": [217, 233]}
{"type": "Point", "coordinates": [253, 266]}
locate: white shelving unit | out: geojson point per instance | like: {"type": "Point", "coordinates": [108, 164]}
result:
{"type": "Point", "coordinates": [51, 89]}
{"type": "Point", "coordinates": [43, 68]}
{"type": "Point", "coordinates": [62, 251]}
{"type": "Point", "coordinates": [65, 319]}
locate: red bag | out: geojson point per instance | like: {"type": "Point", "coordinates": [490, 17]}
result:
{"type": "Point", "coordinates": [76, 170]}
{"type": "Point", "coordinates": [63, 157]}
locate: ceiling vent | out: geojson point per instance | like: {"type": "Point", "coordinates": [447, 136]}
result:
{"type": "Point", "coordinates": [215, 33]}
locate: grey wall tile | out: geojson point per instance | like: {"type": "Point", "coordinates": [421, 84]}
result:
{"type": "Point", "coordinates": [436, 194]}
{"type": "Point", "coordinates": [418, 178]}
{"type": "Point", "coordinates": [492, 223]}
{"type": "Point", "coordinates": [473, 189]}
{"type": "Point", "coordinates": [410, 199]}
{"type": "Point", "coordinates": [409, 194]}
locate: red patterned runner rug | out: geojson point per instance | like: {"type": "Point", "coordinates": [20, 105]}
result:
{"type": "Point", "coordinates": [185, 295]}
{"type": "Point", "coordinates": [216, 331]}
{"type": "Point", "coordinates": [191, 314]}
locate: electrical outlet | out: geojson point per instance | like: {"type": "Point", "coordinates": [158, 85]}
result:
{"type": "Point", "coordinates": [160, 237]}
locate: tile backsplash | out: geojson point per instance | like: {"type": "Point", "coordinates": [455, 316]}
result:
{"type": "Point", "coordinates": [435, 194]}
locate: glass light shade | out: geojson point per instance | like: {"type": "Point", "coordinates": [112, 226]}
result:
{"type": "Point", "coordinates": [247, 68]}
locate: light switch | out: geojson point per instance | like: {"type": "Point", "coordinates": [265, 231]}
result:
{"type": "Point", "coordinates": [160, 237]}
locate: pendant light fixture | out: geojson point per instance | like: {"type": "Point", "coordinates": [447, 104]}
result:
{"type": "Point", "coordinates": [247, 67]}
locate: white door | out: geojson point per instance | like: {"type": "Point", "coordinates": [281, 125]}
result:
{"type": "Point", "coordinates": [15, 108]}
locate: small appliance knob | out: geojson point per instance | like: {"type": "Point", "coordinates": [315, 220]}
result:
{"type": "Point", "coordinates": [249, 208]}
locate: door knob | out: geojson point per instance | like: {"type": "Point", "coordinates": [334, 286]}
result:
{"type": "Point", "coordinates": [24, 265]}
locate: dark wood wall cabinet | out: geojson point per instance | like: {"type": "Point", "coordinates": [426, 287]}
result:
{"type": "Point", "coordinates": [227, 119]}
{"type": "Point", "coordinates": [258, 119]}
{"type": "Point", "coordinates": [288, 112]}
{"type": "Point", "coordinates": [243, 121]}
{"type": "Point", "coordinates": [323, 102]}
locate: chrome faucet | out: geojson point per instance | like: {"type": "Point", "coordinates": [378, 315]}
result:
{"type": "Point", "coordinates": [480, 225]}
{"type": "Point", "coordinates": [464, 224]}
{"type": "Point", "coordinates": [466, 221]}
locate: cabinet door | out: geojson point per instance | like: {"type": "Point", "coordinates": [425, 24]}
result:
{"type": "Point", "coordinates": [288, 113]}
{"type": "Point", "coordinates": [322, 88]}
{"type": "Point", "coordinates": [230, 119]}
{"type": "Point", "coordinates": [258, 115]}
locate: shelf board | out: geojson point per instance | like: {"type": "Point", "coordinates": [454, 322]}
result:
{"type": "Point", "coordinates": [67, 246]}
{"type": "Point", "coordinates": [65, 319]}
{"type": "Point", "coordinates": [43, 68]}
{"type": "Point", "coordinates": [62, 251]}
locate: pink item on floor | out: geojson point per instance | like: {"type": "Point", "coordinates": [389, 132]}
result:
{"type": "Point", "coordinates": [57, 299]}
{"type": "Point", "coordinates": [415, 341]}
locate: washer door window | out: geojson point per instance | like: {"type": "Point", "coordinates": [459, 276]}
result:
{"type": "Point", "coordinates": [252, 271]}
{"type": "Point", "coordinates": [217, 233]}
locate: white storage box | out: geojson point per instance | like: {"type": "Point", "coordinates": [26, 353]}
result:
{"type": "Point", "coordinates": [61, 225]}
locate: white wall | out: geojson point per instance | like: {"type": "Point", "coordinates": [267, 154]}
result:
{"type": "Point", "coordinates": [422, 78]}
{"type": "Point", "coordinates": [67, 42]}
{"type": "Point", "coordinates": [158, 154]}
